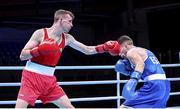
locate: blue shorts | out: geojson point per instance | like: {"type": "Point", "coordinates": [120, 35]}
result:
{"type": "Point", "coordinates": [153, 94]}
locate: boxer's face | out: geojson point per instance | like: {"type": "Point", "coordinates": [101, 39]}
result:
{"type": "Point", "coordinates": [124, 49]}
{"type": "Point", "coordinates": [66, 23]}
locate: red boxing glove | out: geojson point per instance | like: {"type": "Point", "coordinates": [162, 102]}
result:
{"type": "Point", "coordinates": [35, 52]}
{"type": "Point", "coordinates": [115, 50]}
{"type": "Point", "coordinates": [112, 47]}
{"type": "Point", "coordinates": [45, 48]}
{"type": "Point", "coordinates": [48, 47]}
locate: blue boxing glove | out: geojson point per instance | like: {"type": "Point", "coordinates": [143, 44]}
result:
{"type": "Point", "coordinates": [123, 67]}
{"type": "Point", "coordinates": [129, 88]}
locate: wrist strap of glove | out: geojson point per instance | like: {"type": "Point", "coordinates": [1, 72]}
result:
{"type": "Point", "coordinates": [136, 75]}
{"type": "Point", "coordinates": [100, 48]}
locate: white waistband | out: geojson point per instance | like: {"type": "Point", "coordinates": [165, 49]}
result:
{"type": "Point", "coordinates": [40, 69]}
{"type": "Point", "coordinates": [155, 77]}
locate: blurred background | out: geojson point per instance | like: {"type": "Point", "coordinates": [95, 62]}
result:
{"type": "Point", "coordinates": [153, 24]}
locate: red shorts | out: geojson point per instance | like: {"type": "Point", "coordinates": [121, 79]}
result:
{"type": "Point", "coordinates": [37, 86]}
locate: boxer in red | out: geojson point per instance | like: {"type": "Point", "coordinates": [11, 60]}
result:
{"type": "Point", "coordinates": [43, 52]}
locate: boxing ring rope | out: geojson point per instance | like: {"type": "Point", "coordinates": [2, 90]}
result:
{"type": "Point", "coordinates": [117, 82]}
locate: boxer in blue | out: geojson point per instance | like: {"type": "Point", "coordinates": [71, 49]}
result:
{"type": "Point", "coordinates": [140, 63]}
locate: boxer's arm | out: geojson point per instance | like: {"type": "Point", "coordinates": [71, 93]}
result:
{"type": "Point", "coordinates": [72, 42]}
{"type": "Point", "coordinates": [130, 86]}
{"type": "Point", "coordinates": [32, 43]}
{"type": "Point", "coordinates": [136, 59]}
{"type": "Point", "coordinates": [89, 50]}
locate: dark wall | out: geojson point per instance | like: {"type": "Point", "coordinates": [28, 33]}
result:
{"type": "Point", "coordinates": [164, 33]}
